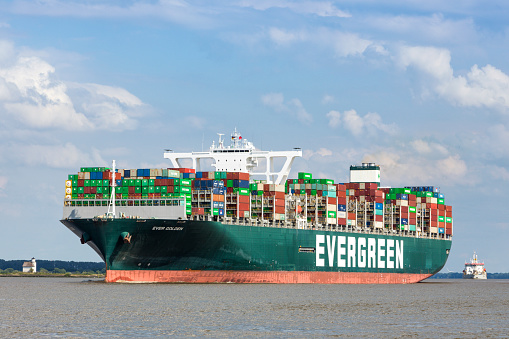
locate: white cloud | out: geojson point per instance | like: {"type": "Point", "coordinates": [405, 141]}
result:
{"type": "Point", "coordinates": [31, 93]}
{"type": "Point", "coordinates": [486, 86]}
{"type": "Point", "coordinates": [424, 147]}
{"type": "Point", "coordinates": [428, 28]}
{"type": "Point", "coordinates": [320, 8]}
{"type": "Point", "coordinates": [327, 99]}
{"type": "Point", "coordinates": [334, 118]}
{"type": "Point", "coordinates": [344, 44]}
{"type": "Point", "coordinates": [56, 156]}
{"type": "Point", "coordinates": [370, 123]}
{"type": "Point", "coordinates": [177, 11]}
{"type": "Point", "coordinates": [293, 107]}
{"type": "Point", "coordinates": [403, 167]}
{"type": "Point", "coordinates": [452, 166]}
{"type": "Point", "coordinates": [324, 152]}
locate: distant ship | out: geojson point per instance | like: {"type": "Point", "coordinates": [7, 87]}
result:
{"type": "Point", "coordinates": [474, 269]}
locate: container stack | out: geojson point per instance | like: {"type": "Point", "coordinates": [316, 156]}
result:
{"type": "Point", "coordinates": [316, 201]}
{"type": "Point", "coordinates": [208, 196]}
{"type": "Point", "coordinates": [268, 201]}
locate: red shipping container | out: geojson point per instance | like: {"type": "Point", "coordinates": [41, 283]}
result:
{"type": "Point", "coordinates": [434, 218]}
{"type": "Point", "coordinates": [434, 212]}
{"type": "Point", "coordinates": [158, 182]}
{"type": "Point", "coordinates": [351, 216]}
{"type": "Point", "coordinates": [448, 214]}
{"type": "Point", "coordinates": [371, 186]}
{"type": "Point", "coordinates": [332, 201]}
{"type": "Point", "coordinates": [99, 196]}
{"type": "Point", "coordinates": [169, 189]}
{"type": "Point", "coordinates": [379, 217]}
{"type": "Point", "coordinates": [279, 209]}
{"type": "Point", "coordinates": [198, 211]}
{"type": "Point", "coordinates": [341, 201]}
{"type": "Point", "coordinates": [448, 208]}
{"type": "Point", "coordinates": [81, 195]}
{"type": "Point", "coordinates": [433, 206]}
{"type": "Point", "coordinates": [243, 176]}
{"type": "Point", "coordinates": [404, 209]}
{"type": "Point", "coordinates": [244, 207]}
{"type": "Point", "coordinates": [341, 188]}
{"type": "Point", "coordinates": [342, 221]}
{"type": "Point", "coordinates": [341, 194]}
{"type": "Point", "coordinates": [404, 215]}
{"type": "Point", "coordinates": [441, 213]}
{"type": "Point", "coordinates": [379, 200]}
{"type": "Point", "coordinates": [81, 182]}
{"type": "Point", "coordinates": [86, 190]}
{"type": "Point", "coordinates": [448, 231]}
{"type": "Point", "coordinates": [118, 195]}
{"type": "Point", "coordinates": [243, 199]}
{"type": "Point", "coordinates": [441, 207]}
{"type": "Point", "coordinates": [279, 202]}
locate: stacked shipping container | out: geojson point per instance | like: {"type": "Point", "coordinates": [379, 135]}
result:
{"type": "Point", "coordinates": [317, 201]}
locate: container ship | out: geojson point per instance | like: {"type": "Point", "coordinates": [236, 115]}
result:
{"type": "Point", "coordinates": [244, 222]}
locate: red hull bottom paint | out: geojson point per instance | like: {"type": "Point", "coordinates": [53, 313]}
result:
{"type": "Point", "coordinates": [259, 277]}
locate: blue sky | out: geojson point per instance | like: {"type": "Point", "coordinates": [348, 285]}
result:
{"type": "Point", "coordinates": [421, 88]}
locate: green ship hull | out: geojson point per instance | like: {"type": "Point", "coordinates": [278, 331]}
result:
{"type": "Point", "coordinates": [156, 250]}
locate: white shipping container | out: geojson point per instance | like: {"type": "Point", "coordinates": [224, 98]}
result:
{"type": "Point", "coordinates": [68, 190]}
{"type": "Point", "coordinates": [379, 224]}
{"type": "Point", "coordinates": [401, 202]}
{"type": "Point", "coordinates": [362, 185]}
{"type": "Point", "coordinates": [68, 183]}
{"type": "Point", "coordinates": [331, 207]}
{"type": "Point", "coordinates": [433, 229]}
{"type": "Point", "coordinates": [331, 221]}
{"type": "Point", "coordinates": [341, 214]}
{"type": "Point", "coordinates": [87, 176]}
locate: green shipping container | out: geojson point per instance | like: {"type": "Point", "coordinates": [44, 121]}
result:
{"type": "Point", "coordinates": [331, 214]}
{"type": "Point", "coordinates": [106, 182]}
{"type": "Point", "coordinates": [303, 175]}
{"type": "Point", "coordinates": [448, 219]}
{"type": "Point", "coordinates": [151, 182]}
{"type": "Point", "coordinates": [440, 201]}
{"type": "Point", "coordinates": [86, 183]}
{"type": "Point", "coordinates": [144, 182]}
{"type": "Point", "coordinates": [412, 209]}
{"type": "Point", "coordinates": [441, 219]}
{"type": "Point", "coordinates": [137, 182]}
{"type": "Point", "coordinates": [186, 182]}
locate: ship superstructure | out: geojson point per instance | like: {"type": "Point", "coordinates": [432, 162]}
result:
{"type": "Point", "coordinates": [187, 225]}
{"type": "Point", "coordinates": [474, 269]}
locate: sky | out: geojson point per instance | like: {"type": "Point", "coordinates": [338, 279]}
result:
{"type": "Point", "coordinates": [419, 87]}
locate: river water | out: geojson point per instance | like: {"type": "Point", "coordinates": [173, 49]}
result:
{"type": "Point", "coordinates": [73, 307]}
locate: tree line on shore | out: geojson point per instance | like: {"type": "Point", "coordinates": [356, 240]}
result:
{"type": "Point", "coordinates": [54, 267]}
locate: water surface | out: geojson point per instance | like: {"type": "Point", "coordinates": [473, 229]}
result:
{"type": "Point", "coordinates": [73, 307]}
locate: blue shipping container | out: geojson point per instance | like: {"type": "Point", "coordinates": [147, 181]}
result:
{"type": "Point", "coordinates": [342, 208]}
{"type": "Point", "coordinates": [379, 206]}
